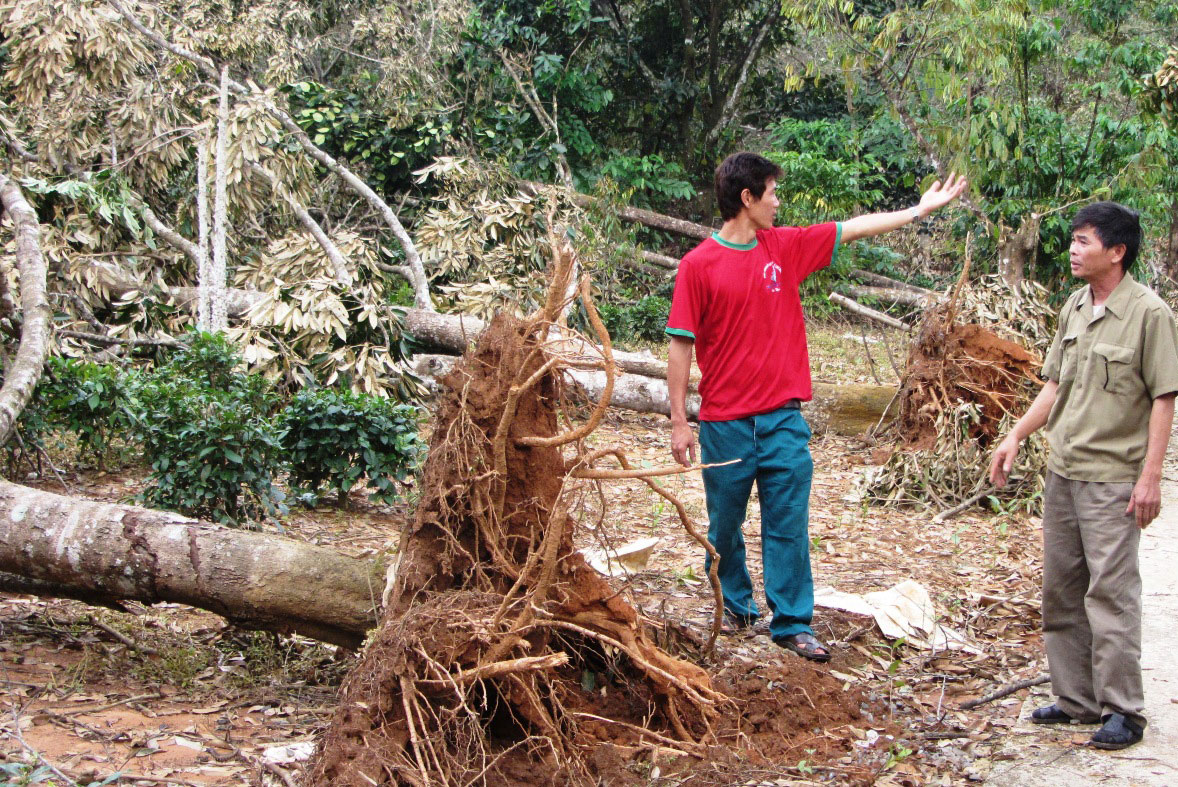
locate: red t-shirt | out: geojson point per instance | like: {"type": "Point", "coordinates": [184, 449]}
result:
{"type": "Point", "coordinates": [740, 304]}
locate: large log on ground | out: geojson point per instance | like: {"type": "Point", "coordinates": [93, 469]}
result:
{"type": "Point", "coordinates": [893, 295]}
{"type": "Point", "coordinates": [844, 409]}
{"type": "Point", "coordinates": [105, 553]}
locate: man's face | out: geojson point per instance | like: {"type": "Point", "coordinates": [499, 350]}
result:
{"type": "Point", "coordinates": [1090, 258]}
{"type": "Point", "coordinates": [762, 211]}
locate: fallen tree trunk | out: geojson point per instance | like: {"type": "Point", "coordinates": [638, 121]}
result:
{"type": "Point", "coordinates": [845, 409]}
{"type": "Point", "coordinates": [864, 311]}
{"type": "Point", "coordinates": [649, 218]}
{"type": "Point", "coordinates": [879, 280]}
{"type": "Point", "coordinates": [119, 283]}
{"type": "Point", "coordinates": [893, 295]}
{"type": "Point", "coordinates": [103, 553]}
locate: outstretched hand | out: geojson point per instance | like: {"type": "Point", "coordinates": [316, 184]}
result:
{"type": "Point", "coordinates": [938, 196]}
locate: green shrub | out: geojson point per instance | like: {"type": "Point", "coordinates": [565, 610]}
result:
{"type": "Point", "coordinates": [613, 317]}
{"type": "Point", "coordinates": [93, 401]}
{"type": "Point", "coordinates": [334, 437]}
{"type": "Point", "coordinates": [214, 450]}
{"type": "Point", "coordinates": [648, 318]}
{"type": "Point", "coordinates": [27, 443]}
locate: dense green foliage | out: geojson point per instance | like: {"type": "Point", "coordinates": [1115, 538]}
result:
{"type": "Point", "coordinates": [644, 320]}
{"type": "Point", "coordinates": [217, 439]}
{"type": "Point", "coordinates": [334, 438]}
{"type": "Point", "coordinates": [208, 435]}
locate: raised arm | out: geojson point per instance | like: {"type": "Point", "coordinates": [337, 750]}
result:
{"type": "Point", "coordinates": [937, 197]}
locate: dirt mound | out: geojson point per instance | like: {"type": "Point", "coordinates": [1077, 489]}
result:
{"type": "Point", "coordinates": [502, 656]}
{"type": "Point", "coordinates": [952, 364]}
{"type": "Point", "coordinates": [493, 621]}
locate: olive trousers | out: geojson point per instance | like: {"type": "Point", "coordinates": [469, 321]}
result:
{"type": "Point", "coordinates": [1092, 598]}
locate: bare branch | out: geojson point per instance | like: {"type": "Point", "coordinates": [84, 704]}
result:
{"type": "Point", "coordinates": [419, 281]}
{"type": "Point", "coordinates": [21, 377]}
{"type": "Point", "coordinates": [342, 275]}
{"type": "Point", "coordinates": [99, 338]}
{"type": "Point", "coordinates": [737, 88]}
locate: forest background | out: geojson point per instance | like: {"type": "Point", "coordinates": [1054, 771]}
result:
{"type": "Point", "coordinates": [364, 158]}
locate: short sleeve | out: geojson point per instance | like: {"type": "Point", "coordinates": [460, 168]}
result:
{"type": "Point", "coordinates": [809, 248]}
{"type": "Point", "coordinates": [1159, 352]}
{"type": "Point", "coordinates": [1054, 359]}
{"type": "Point", "coordinates": [687, 301]}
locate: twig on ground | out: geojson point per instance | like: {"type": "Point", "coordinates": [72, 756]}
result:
{"type": "Point", "coordinates": [137, 698]}
{"type": "Point", "coordinates": [957, 509]}
{"type": "Point", "coordinates": [1005, 691]}
{"type": "Point", "coordinates": [14, 732]}
{"type": "Point", "coordinates": [867, 352]}
{"type": "Point", "coordinates": [130, 643]}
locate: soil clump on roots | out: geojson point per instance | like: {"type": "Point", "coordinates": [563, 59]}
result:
{"type": "Point", "coordinates": [502, 657]}
{"type": "Point", "coordinates": [955, 363]}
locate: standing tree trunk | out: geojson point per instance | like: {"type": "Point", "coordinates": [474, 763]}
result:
{"type": "Point", "coordinates": [21, 377]}
{"type": "Point", "coordinates": [1171, 263]}
{"type": "Point", "coordinates": [413, 269]}
{"type": "Point", "coordinates": [219, 319]}
{"type": "Point", "coordinates": [204, 273]}
{"type": "Point", "coordinates": [1017, 249]}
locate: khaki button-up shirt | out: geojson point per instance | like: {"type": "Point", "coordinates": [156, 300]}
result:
{"type": "Point", "coordinates": [1109, 368]}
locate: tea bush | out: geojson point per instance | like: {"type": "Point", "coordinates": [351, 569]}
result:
{"type": "Point", "coordinates": [209, 436]}
{"type": "Point", "coordinates": [334, 438]}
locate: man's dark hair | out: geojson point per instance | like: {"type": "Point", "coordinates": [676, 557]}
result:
{"type": "Point", "coordinates": [738, 172]}
{"type": "Point", "coordinates": [1114, 224]}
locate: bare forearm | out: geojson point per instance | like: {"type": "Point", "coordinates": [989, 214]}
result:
{"type": "Point", "coordinates": [1037, 414]}
{"type": "Point", "coordinates": [937, 196]}
{"type": "Point", "coordinates": [678, 375]}
{"type": "Point", "coordinates": [1161, 420]}
{"type": "Point", "coordinates": [873, 224]}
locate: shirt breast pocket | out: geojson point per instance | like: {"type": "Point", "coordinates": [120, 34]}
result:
{"type": "Point", "coordinates": [1113, 367]}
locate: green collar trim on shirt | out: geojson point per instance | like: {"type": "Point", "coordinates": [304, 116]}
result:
{"type": "Point", "coordinates": [736, 246]}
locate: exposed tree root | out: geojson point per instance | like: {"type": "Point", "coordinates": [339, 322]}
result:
{"type": "Point", "coordinates": [493, 620]}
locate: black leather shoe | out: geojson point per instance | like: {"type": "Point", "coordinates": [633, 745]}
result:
{"type": "Point", "coordinates": [1117, 733]}
{"type": "Point", "coordinates": [1051, 714]}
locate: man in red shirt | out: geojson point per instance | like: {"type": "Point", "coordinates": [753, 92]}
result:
{"type": "Point", "coordinates": [736, 304]}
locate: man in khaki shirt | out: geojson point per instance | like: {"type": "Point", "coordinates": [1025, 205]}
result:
{"type": "Point", "coordinates": [1108, 403]}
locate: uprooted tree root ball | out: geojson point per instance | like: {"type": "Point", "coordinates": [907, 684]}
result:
{"type": "Point", "coordinates": [502, 656]}
{"type": "Point", "coordinates": [963, 387]}
{"type": "Point", "coordinates": [952, 364]}
{"type": "Point", "coordinates": [492, 615]}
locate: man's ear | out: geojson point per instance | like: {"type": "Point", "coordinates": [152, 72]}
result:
{"type": "Point", "coordinates": [1118, 253]}
{"type": "Point", "coordinates": [747, 198]}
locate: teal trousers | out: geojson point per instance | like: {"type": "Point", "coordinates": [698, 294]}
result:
{"type": "Point", "coordinates": [774, 452]}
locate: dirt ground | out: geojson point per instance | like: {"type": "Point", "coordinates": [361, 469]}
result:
{"type": "Point", "coordinates": [169, 695]}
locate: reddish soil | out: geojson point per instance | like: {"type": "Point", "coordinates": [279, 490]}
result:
{"type": "Point", "coordinates": [952, 363]}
